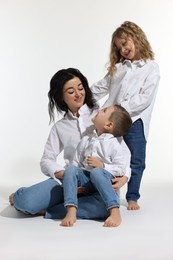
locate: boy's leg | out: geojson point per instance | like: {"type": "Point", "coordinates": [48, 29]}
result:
{"type": "Point", "coordinates": [136, 142]}
{"type": "Point", "coordinates": [72, 178]}
{"type": "Point", "coordinates": [89, 207]}
{"type": "Point", "coordinates": [101, 179]}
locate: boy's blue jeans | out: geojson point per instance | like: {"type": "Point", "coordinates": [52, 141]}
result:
{"type": "Point", "coordinates": [99, 178]}
{"type": "Point", "coordinates": [136, 142]}
{"type": "Point", "coordinates": [48, 195]}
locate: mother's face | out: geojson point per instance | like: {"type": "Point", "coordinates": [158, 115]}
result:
{"type": "Point", "coordinates": [74, 94]}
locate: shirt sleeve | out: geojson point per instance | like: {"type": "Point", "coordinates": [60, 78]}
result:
{"type": "Point", "coordinates": [53, 148]}
{"type": "Point", "coordinates": [120, 165]}
{"type": "Point", "coordinates": [101, 88]}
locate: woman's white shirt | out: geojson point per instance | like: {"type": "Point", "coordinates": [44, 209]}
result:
{"type": "Point", "coordinates": [65, 136]}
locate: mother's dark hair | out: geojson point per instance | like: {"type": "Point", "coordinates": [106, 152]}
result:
{"type": "Point", "coordinates": [55, 93]}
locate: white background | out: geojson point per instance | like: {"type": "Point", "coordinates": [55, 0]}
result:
{"type": "Point", "coordinates": [39, 37]}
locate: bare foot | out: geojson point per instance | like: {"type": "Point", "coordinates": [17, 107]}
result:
{"type": "Point", "coordinates": [114, 220]}
{"type": "Point", "coordinates": [11, 199]}
{"type": "Point", "coordinates": [133, 205]}
{"type": "Point", "coordinates": [70, 218]}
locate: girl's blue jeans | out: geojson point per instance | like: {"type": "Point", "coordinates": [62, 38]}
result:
{"type": "Point", "coordinates": [98, 177]}
{"type": "Point", "coordinates": [136, 142]}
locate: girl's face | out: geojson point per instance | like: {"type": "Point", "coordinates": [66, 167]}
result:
{"type": "Point", "coordinates": [126, 48]}
{"type": "Point", "coordinates": [74, 94]}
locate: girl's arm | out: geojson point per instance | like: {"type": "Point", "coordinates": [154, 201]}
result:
{"type": "Point", "coordinates": [101, 88]}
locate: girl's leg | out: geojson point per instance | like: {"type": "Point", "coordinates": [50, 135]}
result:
{"type": "Point", "coordinates": [38, 197]}
{"type": "Point", "coordinates": [136, 142]}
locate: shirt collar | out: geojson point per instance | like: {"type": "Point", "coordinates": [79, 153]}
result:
{"type": "Point", "coordinates": [138, 63]}
{"type": "Point", "coordinates": [84, 110]}
{"type": "Point", "coordinates": [102, 136]}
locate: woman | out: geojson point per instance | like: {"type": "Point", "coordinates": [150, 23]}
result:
{"type": "Point", "coordinates": [69, 94]}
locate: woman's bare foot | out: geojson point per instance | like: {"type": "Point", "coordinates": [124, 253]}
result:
{"type": "Point", "coordinates": [11, 199]}
{"type": "Point", "coordinates": [70, 218]}
{"type": "Point", "coordinates": [114, 220]}
{"type": "Point", "coordinates": [133, 205]}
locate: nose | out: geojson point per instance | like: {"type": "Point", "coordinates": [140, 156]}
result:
{"type": "Point", "coordinates": [77, 93]}
{"type": "Point", "coordinates": [122, 49]}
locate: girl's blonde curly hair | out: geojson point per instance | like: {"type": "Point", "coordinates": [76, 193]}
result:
{"type": "Point", "coordinates": [133, 31]}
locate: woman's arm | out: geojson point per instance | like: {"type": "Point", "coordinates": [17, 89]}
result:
{"type": "Point", "coordinates": [53, 148]}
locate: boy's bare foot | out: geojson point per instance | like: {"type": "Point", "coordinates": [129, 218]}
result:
{"type": "Point", "coordinates": [11, 199]}
{"type": "Point", "coordinates": [114, 220]}
{"type": "Point", "coordinates": [133, 205]}
{"type": "Point", "coordinates": [70, 218]}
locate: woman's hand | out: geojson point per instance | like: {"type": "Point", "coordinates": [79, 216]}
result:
{"type": "Point", "coordinates": [118, 182]}
{"type": "Point", "coordinates": [59, 174]}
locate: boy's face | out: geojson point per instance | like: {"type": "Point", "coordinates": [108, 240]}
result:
{"type": "Point", "coordinates": [102, 117]}
{"type": "Point", "coordinates": [126, 47]}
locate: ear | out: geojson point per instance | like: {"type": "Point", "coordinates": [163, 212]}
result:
{"type": "Point", "coordinates": [108, 126]}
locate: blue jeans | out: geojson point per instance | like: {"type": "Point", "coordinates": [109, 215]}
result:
{"type": "Point", "coordinates": [48, 196]}
{"type": "Point", "coordinates": [99, 177]}
{"type": "Point", "coordinates": [136, 142]}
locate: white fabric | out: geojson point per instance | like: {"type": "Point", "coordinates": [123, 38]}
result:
{"type": "Point", "coordinates": [112, 151]}
{"type": "Point", "coordinates": [134, 86]}
{"type": "Point", "coordinates": [65, 135]}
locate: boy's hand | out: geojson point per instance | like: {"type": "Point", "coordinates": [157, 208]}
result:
{"type": "Point", "coordinates": [94, 162]}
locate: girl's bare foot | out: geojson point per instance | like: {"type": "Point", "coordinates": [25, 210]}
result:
{"type": "Point", "coordinates": [70, 218]}
{"type": "Point", "coordinates": [114, 220]}
{"type": "Point", "coordinates": [11, 199]}
{"type": "Point", "coordinates": [133, 205]}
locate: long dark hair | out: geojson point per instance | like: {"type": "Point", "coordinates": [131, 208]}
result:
{"type": "Point", "coordinates": [55, 93]}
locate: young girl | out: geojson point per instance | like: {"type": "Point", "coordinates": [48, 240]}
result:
{"type": "Point", "coordinates": [132, 82]}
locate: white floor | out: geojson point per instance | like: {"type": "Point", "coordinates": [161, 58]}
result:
{"type": "Point", "coordinates": [143, 235]}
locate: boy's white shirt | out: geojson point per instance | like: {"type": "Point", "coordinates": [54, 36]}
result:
{"type": "Point", "coordinates": [134, 86]}
{"type": "Point", "coordinates": [112, 151]}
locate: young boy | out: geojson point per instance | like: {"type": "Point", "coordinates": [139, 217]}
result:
{"type": "Point", "coordinates": [98, 159]}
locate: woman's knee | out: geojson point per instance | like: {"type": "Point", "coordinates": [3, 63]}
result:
{"type": "Point", "coordinates": [23, 202]}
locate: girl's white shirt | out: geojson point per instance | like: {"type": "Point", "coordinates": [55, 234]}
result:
{"type": "Point", "coordinates": [134, 86]}
{"type": "Point", "coordinates": [65, 135]}
{"type": "Point", "coordinates": [112, 151]}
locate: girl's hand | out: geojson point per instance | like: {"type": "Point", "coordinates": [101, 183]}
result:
{"type": "Point", "coordinates": [94, 162]}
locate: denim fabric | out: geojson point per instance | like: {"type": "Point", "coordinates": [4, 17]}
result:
{"type": "Point", "coordinates": [48, 195]}
{"type": "Point", "coordinates": [136, 142]}
{"type": "Point", "coordinates": [38, 197]}
{"type": "Point", "coordinates": [100, 178]}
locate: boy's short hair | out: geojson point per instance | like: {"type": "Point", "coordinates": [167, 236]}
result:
{"type": "Point", "coordinates": [121, 120]}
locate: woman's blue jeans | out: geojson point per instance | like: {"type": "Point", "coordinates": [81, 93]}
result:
{"type": "Point", "coordinates": [136, 142]}
{"type": "Point", "coordinates": [48, 196]}
{"type": "Point", "coordinates": [99, 178]}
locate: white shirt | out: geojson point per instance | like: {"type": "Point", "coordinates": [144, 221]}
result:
{"type": "Point", "coordinates": [112, 151]}
{"type": "Point", "coordinates": [134, 86]}
{"type": "Point", "coordinates": [65, 136]}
